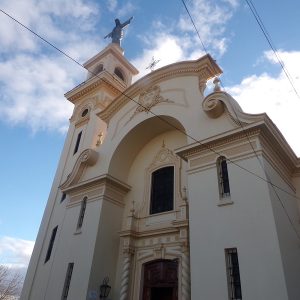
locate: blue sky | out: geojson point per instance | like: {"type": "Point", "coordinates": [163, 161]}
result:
{"type": "Point", "coordinates": [34, 77]}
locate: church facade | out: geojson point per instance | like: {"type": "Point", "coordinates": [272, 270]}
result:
{"type": "Point", "coordinates": [164, 193]}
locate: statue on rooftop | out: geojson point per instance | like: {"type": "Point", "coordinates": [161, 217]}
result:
{"type": "Point", "coordinates": [117, 33]}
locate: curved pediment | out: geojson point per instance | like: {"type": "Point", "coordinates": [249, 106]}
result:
{"type": "Point", "coordinates": [204, 68]}
{"type": "Point", "coordinates": [218, 102]}
{"type": "Point", "coordinates": [87, 158]}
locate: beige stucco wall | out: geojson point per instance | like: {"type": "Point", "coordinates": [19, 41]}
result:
{"type": "Point", "coordinates": [247, 224]}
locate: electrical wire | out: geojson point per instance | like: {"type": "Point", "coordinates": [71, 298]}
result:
{"type": "Point", "coordinates": [159, 117]}
{"type": "Point", "coordinates": [271, 44]}
{"type": "Point", "coordinates": [268, 180]}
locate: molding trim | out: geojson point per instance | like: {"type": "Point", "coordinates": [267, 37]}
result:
{"type": "Point", "coordinates": [204, 68]}
{"type": "Point", "coordinates": [106, 81]}
{"type": "Point", "coordinates": [97, 182]}
{"type": "Point", "coordinates": [86, 159]}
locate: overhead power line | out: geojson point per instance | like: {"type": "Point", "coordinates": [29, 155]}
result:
{"type": "Point", "coordinates": [159, 117]}
{"type": "Point", "coordinates": [268, 180]}
{"type": "Point", "coordinates": [271, 44]}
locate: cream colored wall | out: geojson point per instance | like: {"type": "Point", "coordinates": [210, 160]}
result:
{"type": "Point", "coordinates": [38, 278]}
{"type": "Point", "coordinates": [248, 224]}
{"type": "Point", "coordinates": [286, 215]}
{"type": "Point", "coordinates": [38, 255]}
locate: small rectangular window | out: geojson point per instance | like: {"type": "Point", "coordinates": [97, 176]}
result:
{"type": "Point", "coordinates": [233, 274]}
{"type": "Point", "coordinates": [223, 177]}
{"type": "Point", "coordinates": [81, 214]}
{"type": "Point", "coordinates": [67, 281]}
{"type": "Point", "coordinates": [51, 243]}
{"type": "Point", "coordinates": [77, 142]}
{"type": "Point", "coordinates": [63, 197]}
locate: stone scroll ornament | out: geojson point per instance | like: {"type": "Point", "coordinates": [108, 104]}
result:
{"type": "Point", "coordinates": [213, 104]}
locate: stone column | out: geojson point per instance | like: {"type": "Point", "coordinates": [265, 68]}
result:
{"type": "Point", "coordinates": [185, 279]}
{"type": "Point", "coordinates": [127, 253]}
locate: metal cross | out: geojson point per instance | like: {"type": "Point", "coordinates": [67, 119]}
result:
{"type": "Point", "coordinates": [153, 63]}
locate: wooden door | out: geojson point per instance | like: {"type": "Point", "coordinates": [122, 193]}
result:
{"type": "Point", "coordinates": [160, 280]}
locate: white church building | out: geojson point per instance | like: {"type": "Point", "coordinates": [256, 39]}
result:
{"type": "Point", "coordinates": [163, 193]}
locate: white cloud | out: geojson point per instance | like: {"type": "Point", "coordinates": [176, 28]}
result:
{"type": "Point", "coordinates": [111, 5]}
{"type": "Point", "coordinates": [34, 93]}
{"type": "Point", "coordinates": [15, 252]}
{"type": "Point", "coordinates": [274, 95]}
{"type": "Point", "coordinates": [170, 43]}
{"type": "Point", "coordinates": [210, 20]}
{"type": "Point", "coordinates": [34, 76]}
{"type": "Point", "coordinates": [167, 49]}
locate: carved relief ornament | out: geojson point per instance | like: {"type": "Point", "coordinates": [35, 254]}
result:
{"type": "Point", "coordinates": [87, 158]}
{"type": "Point", "coordinates": [148, 99]}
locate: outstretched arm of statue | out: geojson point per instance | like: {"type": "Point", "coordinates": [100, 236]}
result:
{"type": "Point", "coordinates": [126, 22]}
{"type": "Point", "coordinates": [109, 35]}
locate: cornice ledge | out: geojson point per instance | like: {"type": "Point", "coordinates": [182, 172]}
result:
{"type": "Point", "coordinates": [91, 84]}
{"type": "Point", "coordinates": [210, 143]}
{"type": "Point", "coordinates": [147, 233]}
{"type": "Point", "coordinates": [104, 179]}
{"type": "Point", "coordinates": [86, 159]}
{"type": "Point", "coordinates": [205, 68]}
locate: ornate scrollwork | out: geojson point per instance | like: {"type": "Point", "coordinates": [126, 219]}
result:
{"type": "Point", "coordinates": [87, 158]}
{"type": "Point", "coordinates": [213, 105]}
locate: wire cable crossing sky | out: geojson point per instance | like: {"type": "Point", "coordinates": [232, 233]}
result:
{"type": "Point", "coordinates": [34, 78]}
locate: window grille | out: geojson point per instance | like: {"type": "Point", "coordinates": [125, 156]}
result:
{"type": "Point", "coordinates": [223, 177]}
{"type": "Point", "coordinates": [51, 243]}
{"type": "Point", "coordinates": [81, 214]}
{"type": "Point", "coordinates": [233, 274]}
{"type": "Point", "coordinates": [162, 190]}
{"type": "Point", "coordinates": [67, 281]}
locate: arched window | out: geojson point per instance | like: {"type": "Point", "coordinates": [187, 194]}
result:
{"type": "Point", "coordinates": [82, 212]}
{"type": "Point", "coordinates": [162, 190]}
{"type": "Point", "coordinates": [98, 69]}
{"type": "Point", "coordinates": [119, 73]}
{"type": "Point", "coordinates": [223, 177]}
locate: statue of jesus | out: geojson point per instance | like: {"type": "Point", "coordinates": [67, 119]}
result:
{"type": "Point", "coordinates": [117, 32]}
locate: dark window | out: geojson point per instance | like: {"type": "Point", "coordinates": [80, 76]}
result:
{"type": "Point", "coordinates": [51, 243]}
{"type": "Point", "coordinates": [233, 274]}
{"type": "Point", "coordinates": [77, 142]}
{"type": "Point", "coordinates": [63, 197]}
{"type": "Point", "coordinates": [81, 214]}
{"type": "Point", "coordinates": [98, 69]}
{"type": "Point", "coordinates": [119, 73]}
{"type": "Point", "coordinates": [162, 190]}
{"type": "Point", "coordinates": [67, 281]}
{"type": "Point", "coordinates": [84, 113]}
{"type": "Point", "coordinates": [223, 177]}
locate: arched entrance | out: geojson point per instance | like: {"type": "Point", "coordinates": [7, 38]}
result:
{"type": "Point", "coordinates": [160, 280]}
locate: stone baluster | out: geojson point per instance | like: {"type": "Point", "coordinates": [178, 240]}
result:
{"type": "Point", "coordinates": [128, 252]}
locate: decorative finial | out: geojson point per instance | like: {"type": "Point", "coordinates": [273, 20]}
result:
{"type": "Point", "coordinates": [152, 64]}
{"type": "Point", "coordinates": [216, 82]}
{"type": "Point", "coordinates": [117, 33]}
